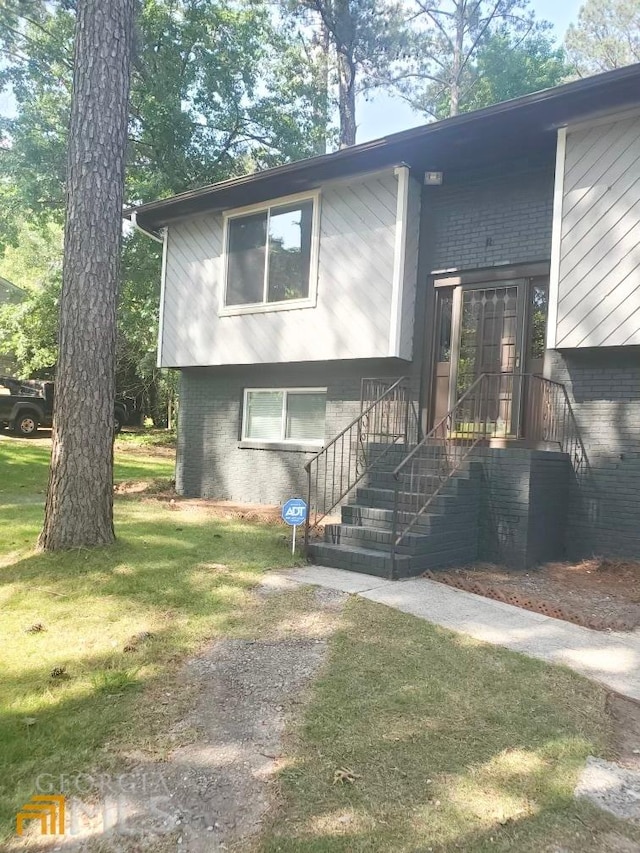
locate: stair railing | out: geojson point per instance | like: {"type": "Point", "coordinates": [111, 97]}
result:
{"type": "Point", "coordinates": [553, 421]}
{"type": "Point", "coordinates": [490, 408]}
{"type": "Point", "coordinates": [384, 422]}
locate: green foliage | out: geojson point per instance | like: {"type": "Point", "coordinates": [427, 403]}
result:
{"type": "Point", "coordinates": [28, 329]}
{"type": "Point", "coordinates": [446, 43]}
{"type": "Point", "coordinates": [508, 67]}
{"type": "Point", "coordinates": [606, 36]}
{"type": "Point", "coordinates": [200, 112]}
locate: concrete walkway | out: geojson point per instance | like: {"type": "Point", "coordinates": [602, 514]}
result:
{"type": "Point", "coordinates": [610, 658]}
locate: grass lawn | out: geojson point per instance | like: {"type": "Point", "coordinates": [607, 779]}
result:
{"type": "Point", "coordinates": [453, 746]}
{"type": "Point", "coordinates": [181, 576]}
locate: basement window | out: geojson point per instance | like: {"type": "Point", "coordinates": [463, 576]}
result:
{"type": "Point", "coordinates": [284, 415]}
{"type": "Point", "coordinates": [271, 256]}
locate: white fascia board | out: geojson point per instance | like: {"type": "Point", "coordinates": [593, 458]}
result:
{"type": "Point", "coordinates": [399, 258]}
{"type": "Point", "coordinates": [556, 239]}
{"type": "Point", "coordinates": [163, 285]}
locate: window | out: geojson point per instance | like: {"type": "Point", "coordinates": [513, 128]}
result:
{"type": "Point", "coordinates": [294, 415]}
{"type": "Point", "coordinates": [269, 256]}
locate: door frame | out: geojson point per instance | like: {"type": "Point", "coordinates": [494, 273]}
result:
{"type": "Point", "coordinates": [456, 278]}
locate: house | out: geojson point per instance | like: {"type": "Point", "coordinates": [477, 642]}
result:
{"type": "Point", "coordinates": [434, 337]}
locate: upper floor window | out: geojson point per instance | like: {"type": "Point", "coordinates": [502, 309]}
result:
{"type": "Point", "coordinates": [270, 256]}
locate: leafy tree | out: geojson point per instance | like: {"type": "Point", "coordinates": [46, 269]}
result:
{"type": "Point", "coordinates": [606, 36]}
{"type": "Point", "coordinates": [446, 40]}
{"type": "Point", "coordinates": [79, 505]}
{"type": "Point", "coordinates": [365, 37]}
{"type": "Point", "coordinates": [508, 67]}
{"type": "Point", "coordinates": [29, 329]}
{"type": "Point", "coordinates": [199, 112]}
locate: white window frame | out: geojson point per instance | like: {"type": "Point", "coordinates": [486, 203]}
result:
{"type": "Point", "coordinates": [286, 304]}
{"type": "Point", "coordinates": [315, 442]}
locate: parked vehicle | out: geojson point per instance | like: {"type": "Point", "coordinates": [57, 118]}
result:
{"type": "Point", "coordinates": [27, 404]}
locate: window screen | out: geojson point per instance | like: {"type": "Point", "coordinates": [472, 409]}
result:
{"type": "Point", "coordinates": [282, 415]}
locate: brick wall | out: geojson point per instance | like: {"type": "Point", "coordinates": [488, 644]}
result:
{"type": "Point", "coordinates": [523, 502]}
{"type": "Point", "coordinates": [497, 219]}
{"type": "Point", "coordinates": [210, 461]}
{"type": "Point", "coordinates": [604, 508]}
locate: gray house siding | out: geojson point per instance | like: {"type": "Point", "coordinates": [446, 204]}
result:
{"type": "Point", "coordinates": [604, 506]}
{"type": "Point", "coordinates": [353, 315]}
{"type": "Point", "coordinates": [598, 290]}
{"type": "Point", "coordinates": [211, 462]}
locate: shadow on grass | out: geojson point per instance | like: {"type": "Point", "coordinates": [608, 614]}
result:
{"type": "Point", "coordinates": [185, 580]}
{"type": "Point", "coordinates": [455, 746]}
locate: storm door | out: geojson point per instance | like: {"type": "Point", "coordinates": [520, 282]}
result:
{"type": "Point", "coordinates": [487, 338]}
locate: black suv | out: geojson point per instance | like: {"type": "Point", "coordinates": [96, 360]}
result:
{"type": "Point", "coordinates": [26, 404]}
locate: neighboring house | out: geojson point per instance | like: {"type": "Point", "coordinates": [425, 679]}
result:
{"type": "Point", "coordinates": [9, 294]}
{"type": "Point", "coordinates": [492, 259]}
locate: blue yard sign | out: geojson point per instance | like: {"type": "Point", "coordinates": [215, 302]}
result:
{"type": "Point", "coordinates": [294, 512]}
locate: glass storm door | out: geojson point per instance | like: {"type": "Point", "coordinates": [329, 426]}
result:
{"type": "Point", "coordinates": [488, 324]}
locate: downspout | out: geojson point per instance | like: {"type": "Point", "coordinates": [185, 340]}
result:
{"type": "Point", "coordinates": [155, 235]}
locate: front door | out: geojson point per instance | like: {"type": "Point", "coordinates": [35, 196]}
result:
{"type": "Point", "coordinates": [487, 323]}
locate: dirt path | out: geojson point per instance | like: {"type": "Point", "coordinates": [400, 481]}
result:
{"type": "Point", "coordinates": [214, 790]}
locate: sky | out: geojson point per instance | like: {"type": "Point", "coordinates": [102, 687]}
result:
{"type": "Point", "coordinates": [386, 114]}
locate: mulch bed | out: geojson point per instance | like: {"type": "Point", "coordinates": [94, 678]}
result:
{"type": "Point", "coordinates": [603, 594]}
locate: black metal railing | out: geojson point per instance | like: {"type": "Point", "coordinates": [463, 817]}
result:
{"type": "Point", "coordinates": [388, 418]}
{"type": "Point", "coordinates": [551, 420]}
{"type": "Point", "coordinates": [498, 405]}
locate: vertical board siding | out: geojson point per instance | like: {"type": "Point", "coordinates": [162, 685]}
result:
{"type": "Point", "coordinates": [599, 277]}
{"type": "Point", "coordinates": [355, 277]}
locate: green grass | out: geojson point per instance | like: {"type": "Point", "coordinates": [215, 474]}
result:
{"type": "Point", "coordinates": [147, 438]}
{"type": "Point", "coordinates": [24, 465]}
{"type": "Point", "coordinates": [176, 573]}
{"type": "Point", "coordinates": [455, 746]}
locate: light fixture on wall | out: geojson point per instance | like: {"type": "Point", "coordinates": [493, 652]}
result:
{"type": "Point", "coordinates": [433, 179]}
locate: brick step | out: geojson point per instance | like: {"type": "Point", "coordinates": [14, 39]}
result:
{"type": "Point", "coordinates": [425, 458]}
{"type": "Point", "coordinates": [421, 481]}
{"type": "Point", "coordinates": [385, 499]}
{"type": "Point", "coordinates": [371, 562]}
{"type": "Point", "coordinates": [429, 522]}
{"type": "Point", "coordinates": [355, 559]}
{"type": "Point", "coordinates": [379, 539]}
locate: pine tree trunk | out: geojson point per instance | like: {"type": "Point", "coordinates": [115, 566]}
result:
{"type": "Point", "coordinates": [79, 506]}
{"type": "Point", "coordinates": [344, 35]}
{"type": "Point", "coordinates": [458, 48]}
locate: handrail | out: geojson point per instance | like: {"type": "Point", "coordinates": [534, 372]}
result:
{"type": "Point", "coordinates": [477, 416]}
{"type": "Point", "coordinates": [336, 469]}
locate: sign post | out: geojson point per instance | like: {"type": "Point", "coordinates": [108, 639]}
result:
{"type": "Point", "coordinates": [294, 513]}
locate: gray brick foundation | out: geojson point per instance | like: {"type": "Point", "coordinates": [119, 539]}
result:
{"type": "Point", "coordinates": [210, 461]}
{"type": "Point", "coordinates": [604, 508]}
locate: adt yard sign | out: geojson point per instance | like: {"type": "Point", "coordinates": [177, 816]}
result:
{"type": "Point", "coordinates": [294, 512]}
